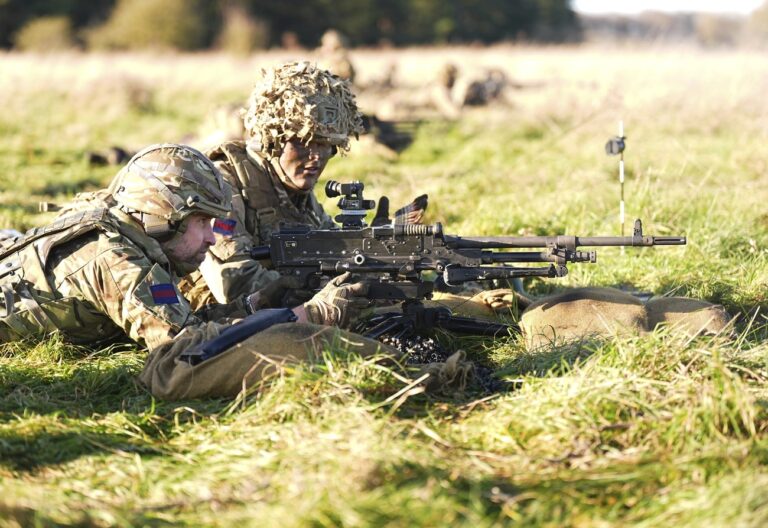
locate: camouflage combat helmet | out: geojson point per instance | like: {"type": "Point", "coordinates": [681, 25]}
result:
{"type": "Point", "coordinates": [299, 101]}
{"type": "Point", "coordinates": [163, 184]}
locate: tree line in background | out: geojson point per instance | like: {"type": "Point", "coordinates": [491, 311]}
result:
{"type": "Point", "coordinates": [245, 25]}
{"type": "Point", "coordinates": [706, 29]}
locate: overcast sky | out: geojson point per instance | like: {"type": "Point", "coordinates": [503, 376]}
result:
{"type": "Point", "coordinates": [637, 6]}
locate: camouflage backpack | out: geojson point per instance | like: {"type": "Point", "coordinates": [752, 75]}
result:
{"type": "Point", "coordinates": [85, 201]}
{"type": "Point", "coordinates": [30, 306]}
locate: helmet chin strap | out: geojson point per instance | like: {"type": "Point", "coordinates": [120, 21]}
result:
{"type": "Point", "coordinates": [290, 186]}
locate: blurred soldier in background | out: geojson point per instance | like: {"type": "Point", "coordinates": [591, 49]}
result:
{"type": "Point", "coordinates": [223, 123]}
{"type": "Point", "coordinates": [103, 274]}
{"type": "Point", "coordinates": [451, 91]}
{"type": "Point", "coordinates": [334, 57]}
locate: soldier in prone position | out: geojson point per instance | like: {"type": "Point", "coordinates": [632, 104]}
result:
{"type": "Point", "coordinates": [103, 274]}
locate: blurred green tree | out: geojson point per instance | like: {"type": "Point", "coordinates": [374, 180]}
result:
{"type": "Point", "coordinates": [48, 33]}
{"type": "Point", "coordinates": [241, 33]}
{"type": "Point", "coordinates": [757, 25]}
{"type": "Point", "coordinates": [194, 24]}
{"type": "Point", "coordinates": [16, 13]}
{"type": "Point", "coordinates": [158, 24]}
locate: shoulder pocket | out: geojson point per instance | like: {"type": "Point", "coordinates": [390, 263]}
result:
{"type": "Point", "coordinates": [226, 248]}
{"type": "Point", "coordinates": [157, 293]}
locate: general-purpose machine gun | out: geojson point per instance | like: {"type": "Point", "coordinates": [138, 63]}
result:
{"type": "Point", "coordinates": [395, 257]}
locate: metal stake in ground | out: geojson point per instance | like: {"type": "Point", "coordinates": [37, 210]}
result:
{"type": "Point", "coordinates": [616, 146]}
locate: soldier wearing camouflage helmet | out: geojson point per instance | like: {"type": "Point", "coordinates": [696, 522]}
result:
{"type": "Point", "coordinates": [297, 118]}
{"type": "Point", "coordinates": [104, 274]}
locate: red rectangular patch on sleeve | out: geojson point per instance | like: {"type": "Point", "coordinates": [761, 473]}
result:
{"type": "Point", "coordinates": [164, 294]}
{"type": "Point", "coordinates": [224, 226]}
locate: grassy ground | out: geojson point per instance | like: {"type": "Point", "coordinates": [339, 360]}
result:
{"type": "Point", "coordinates": [646, 431]}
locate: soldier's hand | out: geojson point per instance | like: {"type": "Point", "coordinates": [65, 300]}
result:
{"type": "Point", "coordinates": [339, 303]}
{"type": "Point", "coordinates": [273, 294]}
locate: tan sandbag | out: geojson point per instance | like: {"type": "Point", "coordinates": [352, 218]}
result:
{"type": "Point", "coordinates": [692, 316]}
{"type": "Point", "coordinates": [465, 305]}
{"type": "Point", "coordinates": [582, 313]}
{"type": "Point", "coordinates": [250, 362]}
{"type": "Point", "coordinates": [503, 300]}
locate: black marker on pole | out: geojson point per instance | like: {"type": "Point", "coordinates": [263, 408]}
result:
{"type": "Point", "coordinates": [616, 146]}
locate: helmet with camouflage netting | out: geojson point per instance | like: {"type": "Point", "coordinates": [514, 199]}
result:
{"type": "Point", "coordinates": [300, 101]}
{"type": "Point", "coordinates": [164, 184]}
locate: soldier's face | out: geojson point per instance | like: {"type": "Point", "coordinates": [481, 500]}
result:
{"type": "Point", "coordinates": [191, 246]}
{"type": "Point", "coordinates": [304, 163]}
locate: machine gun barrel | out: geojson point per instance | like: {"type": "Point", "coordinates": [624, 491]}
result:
{"type": "Point", "coordinates": [636, 240]}
{"type": "Point", "coordinates": [561, 241]}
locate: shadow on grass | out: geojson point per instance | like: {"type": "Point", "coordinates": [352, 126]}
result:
{"type": "Point", "coordinates": [24, 516]}
{"type": "Point", "coordinates": [55, 415]}
{"type": "Point", "coordinates": [28, 452]}
{"type": "Point", "coordinates": [81, 390]}
{"type": "Point", "coordinates": [556, 360]}
{"type": "Point", "coordinates": [550, 499]}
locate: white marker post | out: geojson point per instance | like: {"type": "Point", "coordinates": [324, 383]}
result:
{"type": "Point", "coordinates": [616, 146]}
{"type": "Point", "coordinates": [621, 181]}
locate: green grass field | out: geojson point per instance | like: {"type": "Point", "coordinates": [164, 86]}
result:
{"type": "Point", "coordinates": [656, 430]}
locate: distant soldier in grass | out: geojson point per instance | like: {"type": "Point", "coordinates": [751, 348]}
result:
{"type": "Point", "coordinates": [103, 274]}
{"type": "Point", "coordinates": [334, 56]}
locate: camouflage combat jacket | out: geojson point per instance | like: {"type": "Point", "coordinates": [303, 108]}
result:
{"type": "Point", "coordinates": [95, 277]}
{"type": "Point", "coordinates": [260, 203]}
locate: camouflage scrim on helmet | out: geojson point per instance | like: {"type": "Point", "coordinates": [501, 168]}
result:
{"type": "Point", "coordinates": [171, 182]}
{"type": "Point", "coordinates": [299, 101]}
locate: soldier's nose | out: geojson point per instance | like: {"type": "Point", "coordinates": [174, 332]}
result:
{"type": "Point", "coordinates": [209, 238]}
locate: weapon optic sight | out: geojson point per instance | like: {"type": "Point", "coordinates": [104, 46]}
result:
{"type": "Point", "coordinates": [352, 204]}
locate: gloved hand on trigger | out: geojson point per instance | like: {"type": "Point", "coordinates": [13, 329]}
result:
{"type": "Point", "coordinates": [339, 303]}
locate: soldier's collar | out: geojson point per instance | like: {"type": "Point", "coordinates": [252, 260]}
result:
{"type": "Point", "coordinates": [130, 228]}
{"type": "Point", "coordinates": [271, 165]}
{"type": "Point", "coordinates": [256, 156]}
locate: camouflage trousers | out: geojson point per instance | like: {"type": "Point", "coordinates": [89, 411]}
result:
{"type": "Point", "coordinates": [251, 362]}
